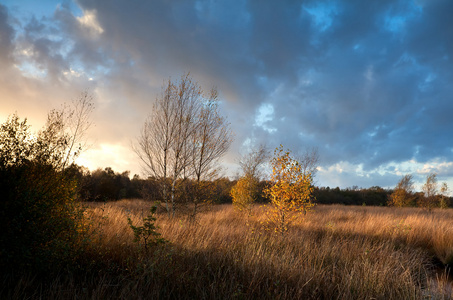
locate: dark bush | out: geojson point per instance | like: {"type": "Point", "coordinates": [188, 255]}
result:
{"type": "Point", "coordinates": [40, 219]}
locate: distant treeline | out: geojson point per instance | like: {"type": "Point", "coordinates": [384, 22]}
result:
{"type": "Point", "coordinates": [374, 196]}
{"type": "Point", "coordinates": [108, 185]}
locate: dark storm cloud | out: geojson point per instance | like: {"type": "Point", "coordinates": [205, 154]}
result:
{"type": "Point", "coordinates": [169, 37]}
{"type": "Point", "coordinates": [378, 96]}
{"type": "Point", "coordinates": [367, 82]}
{"type": "Point", "coordinates": [86, 49]}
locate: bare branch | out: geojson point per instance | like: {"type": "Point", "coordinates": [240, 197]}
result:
{"type": "Point", "coordinates": [78, 122]}
{"type": "Point", "coordinates": [251, 162]}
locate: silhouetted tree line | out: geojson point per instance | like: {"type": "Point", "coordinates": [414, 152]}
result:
{"type": "Point", "coordinates": [373, 196]}
{"type": "Point", "coordinates": [108, 185]}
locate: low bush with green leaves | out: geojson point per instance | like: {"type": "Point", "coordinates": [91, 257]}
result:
{"type": "Point", "coordinates": [147, 234]}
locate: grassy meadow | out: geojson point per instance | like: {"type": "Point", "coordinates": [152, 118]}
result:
{"type": "Point", "coordinates": [334, 252]}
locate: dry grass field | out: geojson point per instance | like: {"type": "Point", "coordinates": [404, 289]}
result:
{"type": "Point", "coordinates": [335, 252]}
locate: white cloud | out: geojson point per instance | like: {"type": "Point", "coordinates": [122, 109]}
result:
{"type": "Point", "coordinates": [441, 168]}
{"type": "Point", "coordinates": [369, 73]}
{"type": "Point", "coordinates": [89, 21]}
{"type": "Point", "coordinates": [265, 115]}
{"type": "Point", "coordinates": [72, 73]}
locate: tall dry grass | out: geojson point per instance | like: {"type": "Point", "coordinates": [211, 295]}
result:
{"type": "Point", "coordinates": [336, 252]}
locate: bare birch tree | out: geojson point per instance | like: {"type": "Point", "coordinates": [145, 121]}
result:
{"type": "Point", "coordinates": [210, 142]}
{"type": "Point", "coordinates": [156, 138]}
{"type": "Point", "coordinates": [309, 160]}
{"type": "Point", "coordinates": [182, 137]}
{"type": "Point", "coordinates": [430, 190]}
{"type": "Point", "coordinates": [251, 162]}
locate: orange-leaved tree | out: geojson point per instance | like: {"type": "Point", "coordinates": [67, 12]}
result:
{"type": "Point", "coordinates": [291, 191]}
{"type": "Point", "coordinates": [247, 189]}
{"type": "Point", "coordinates": [403, 193]}
{"type": "Point", "coordinates": [244, 193]}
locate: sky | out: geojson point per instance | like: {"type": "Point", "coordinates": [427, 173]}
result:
{"type": "Point", "coordinates": [367, 83]}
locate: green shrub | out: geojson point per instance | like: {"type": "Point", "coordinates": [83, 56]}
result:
{"type": "Point", "coordinates": [147, 234]}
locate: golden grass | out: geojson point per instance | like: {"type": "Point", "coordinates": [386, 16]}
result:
{"type": "Point", "coordinates": [335, 252]}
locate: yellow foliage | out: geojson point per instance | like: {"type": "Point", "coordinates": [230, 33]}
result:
{"type": "Point", "coordinates": [402, 195]}
{"type": "Point", "coordinates": [243, 193]}
{"type": "Point", "coordinates": [400, 198]}
{"type": "Point", "coordinates": [291, 192]}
